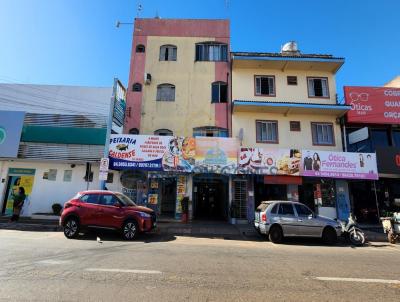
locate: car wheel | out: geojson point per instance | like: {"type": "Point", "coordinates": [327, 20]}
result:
{"type": "Point", "coordinates": [71, 227]}
{"type": "Point", "coordinates": [130, 229]}
{"type": "Point", "coordinates": [275, 234]}
{"type": "Point", "coordinates": [329, 236]}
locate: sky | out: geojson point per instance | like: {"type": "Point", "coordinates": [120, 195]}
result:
{"type": "Point", "coordinates": [76, 42]}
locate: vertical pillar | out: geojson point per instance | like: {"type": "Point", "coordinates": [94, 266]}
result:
{"type": "Point", "coordinates": [342, 199]}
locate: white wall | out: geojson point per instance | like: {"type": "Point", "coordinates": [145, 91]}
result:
{"type": "Point", "coordinates": [46, 192]}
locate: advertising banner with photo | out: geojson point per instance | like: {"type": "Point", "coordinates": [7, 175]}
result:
{"type": "Point", "coordinates": [269, 161]}
{"type": "Point", "coordinates": [373, 105]}
{"type": "Point", "coordinates": [347, 165]}
{"type": "Point", "coordinates": [151, 152]}
{"type": "Point", "coordinates": [216, 155]}
{"type": "Point", "coordinates": [119, 106]}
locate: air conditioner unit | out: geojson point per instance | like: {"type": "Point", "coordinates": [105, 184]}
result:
{"type": "Point", "coordinates": [147, 78]}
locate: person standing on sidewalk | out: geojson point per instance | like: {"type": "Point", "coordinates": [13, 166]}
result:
{"type": "Point", "coordinates": [18, 204]}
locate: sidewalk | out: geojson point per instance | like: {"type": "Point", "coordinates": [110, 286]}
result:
{"type": "Point", "coordinates": [206, 229]}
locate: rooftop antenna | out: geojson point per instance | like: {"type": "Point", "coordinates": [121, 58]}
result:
{"type": "Point", "coordinates": [139, 9]}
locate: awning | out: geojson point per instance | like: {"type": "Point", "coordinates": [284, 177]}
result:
{"type": "Point", "coordinates": [289, 108]}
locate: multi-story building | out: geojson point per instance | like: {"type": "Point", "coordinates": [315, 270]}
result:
{"type": "Point", "coordinates": [287, 100]}
{"type": "Point", "coordinates": [179, 86]}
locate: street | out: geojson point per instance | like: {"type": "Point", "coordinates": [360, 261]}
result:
{"type": "Point", "coordinates": [44, 266]}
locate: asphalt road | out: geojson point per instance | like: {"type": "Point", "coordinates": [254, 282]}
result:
{"type": "Point", "coordinates": [44, 266]}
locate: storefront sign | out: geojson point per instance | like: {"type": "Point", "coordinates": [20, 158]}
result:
{"type": "Point", "coordinates": [269, 161]}
{"type": "Point", "coordinates": [388, 160]}
{"type": "Point", "coordinates": [358, 135]}
{"type": "Point", "coordinates": [151, 152]}
{"type": "Point", "coordinates": [11, 123]}
{"type": "Point", "coordinates": [346, 165]}
{"type": "Point", "coordinates": [373, 105]}
{"type": "Point", "coordinates": [216, 155]}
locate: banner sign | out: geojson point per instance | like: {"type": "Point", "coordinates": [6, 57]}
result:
{"type": "Point", "coordinates": [11, 123]}
{"type": "Point", "coordinates": [346, 165]}
{"type": "Point", "coordinates": [151, 152]}
{"type": "Point", "coordinates": [269, 161]}
{"type": "Point", "coordinates": [388, 160]}
{"type": "Point", "coordinates": [373, 105]}
{"type": "Point", "coordinates": [216, 155]}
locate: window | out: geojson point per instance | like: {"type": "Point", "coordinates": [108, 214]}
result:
{"type": "Point", "coordinates": [322, 134]}
{"type": "Point", "coordinates": [265, 85]}
{"type": "Point", "coordinates": [166, 92]}
{"type": "Point", "coordinates": [295, 126]}
{"type": "Point", "coordinates": [318, 87]}
{"type": "Point", "coordinates": [90, 198]}
{"type": "Point", "coordinates": [163, 132]}
{"type": "Point", "coordinates": [285, 209]}
{"type": "Point", "coordinates": [211, 52]}
{"type": "Point", "coordinates": [140, 48]}
{"type": "Point", "coordinates": [110, 178]}
{"type": "Point", "coordinates": [396, 138]}
{"type": "Point", "coordinates": [379, 138]}
{"type": "Point", "coordinates": [108, 200]}
{"type": "Point", "coordinates": [292, 80]}
{"type": "Point", "coordinates": [267, 132]}
{"type": "Point", "coordinates": [133, 131]}
{"type": "Point", "coordinates": [219, 92]}
{"type": "Point", "coordinates": [302, 210]}
{"type": "Point", "coordinates": [137, 87]}
{"type": "Point", "coordinates": [275, 209]}
{"type": "Point", "coordinates": [168, 53]}
{"type": "Point", "coordinates": [210, 131]}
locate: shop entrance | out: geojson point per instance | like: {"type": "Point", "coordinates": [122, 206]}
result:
{"type": "Point", "coordinates": [210, 196]}
{"type": "Point", "coordinates": [264, 192]}
{"type": "Point", "coordinates": [363, 199]}
{"type": "Point", "coordinates": [168, 196]}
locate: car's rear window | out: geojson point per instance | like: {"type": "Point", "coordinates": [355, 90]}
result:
{"type": "Point", "coordinates": [263, 206]}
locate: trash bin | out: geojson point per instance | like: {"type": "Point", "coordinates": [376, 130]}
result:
{"type": "Point", "coordinates": [185, 209]}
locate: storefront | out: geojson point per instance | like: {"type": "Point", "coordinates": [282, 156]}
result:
{"type": "Point", "coordinates": [159, 171]}
{"type": "Point", "coordinates": [372, 125]}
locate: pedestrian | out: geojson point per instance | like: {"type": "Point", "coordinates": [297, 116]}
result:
{"type": "Point", "coordinates": [18, 203]}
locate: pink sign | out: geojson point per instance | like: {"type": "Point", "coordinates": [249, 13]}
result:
{"type": "Point", "coordinates": [346, 165]}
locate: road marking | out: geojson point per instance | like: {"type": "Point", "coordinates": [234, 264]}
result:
{"type": "Point", "coordinates": [116, 270]}
{"type": "Point", "coordinates": [53, 262]}
{"type": "Point", "coordinates": [358, 280]}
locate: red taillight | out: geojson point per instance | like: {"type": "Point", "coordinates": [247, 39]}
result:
{"type": "Point", "coordinates": [264, 217]}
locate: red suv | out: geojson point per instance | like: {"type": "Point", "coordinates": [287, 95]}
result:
{"type": "Point", "coordinates": [106, 210]}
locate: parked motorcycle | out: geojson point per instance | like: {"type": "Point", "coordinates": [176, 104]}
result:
{"type": "Point", "coordinates": [352, 232]}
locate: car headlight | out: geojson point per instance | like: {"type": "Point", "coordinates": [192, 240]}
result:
{"type": "Point", "coordinates": [144, 215]}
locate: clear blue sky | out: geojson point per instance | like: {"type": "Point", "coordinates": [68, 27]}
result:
{"type": "Point", "coordinates": [76, 42]}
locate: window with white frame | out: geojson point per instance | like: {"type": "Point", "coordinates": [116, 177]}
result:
{"type": "Point", "coordinates": [265, 85]}
{"type": "Point", "coordinates": [219, 92]}
{"type": "Point", "coordinates": [318, 87]}
{"type": "Point", "coordinates": [166, 92]}
{"type": "Point", "coordinates": [168, 53]}
{"type": "Point", "coordinates": [267, 132]}
{"type": "Point", "coordinates": [211, 51]}
{"type": "Point", "coordinates": [322, 134]}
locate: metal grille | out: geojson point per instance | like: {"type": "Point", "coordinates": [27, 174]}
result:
{"type": "Point", "coordinates": [240, 199]}
{"type": "Point", "coordinates": [61, 152]}
{"type": "Point", "coordinates": [63, 120]}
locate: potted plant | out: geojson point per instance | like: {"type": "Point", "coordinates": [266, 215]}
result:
{"type": "Point", "coordinates": [57, 209]}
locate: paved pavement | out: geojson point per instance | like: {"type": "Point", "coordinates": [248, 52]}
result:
{"type": "Point", "coordinates": [44, 266]}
